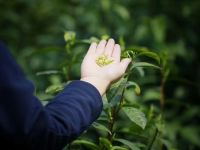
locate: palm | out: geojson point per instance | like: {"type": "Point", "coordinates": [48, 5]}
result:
{"type": "Point", "coordinates": [109, 72]}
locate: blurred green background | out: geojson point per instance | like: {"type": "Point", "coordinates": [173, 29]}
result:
{"type": "Point", "coordinates": [34, 32]}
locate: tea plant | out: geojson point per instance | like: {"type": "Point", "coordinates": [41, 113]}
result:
{"type": "Point", "coordinates": [124, 122]}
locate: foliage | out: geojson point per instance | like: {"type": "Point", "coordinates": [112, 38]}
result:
{"type": "Point", "coordinates": [161, 87]}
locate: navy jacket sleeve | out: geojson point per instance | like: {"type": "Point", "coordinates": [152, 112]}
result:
{"type": "Point", "coordinates": [25, 122]}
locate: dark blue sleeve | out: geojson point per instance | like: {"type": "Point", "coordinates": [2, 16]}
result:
{"type": "Point", "coordinates": [24, 122]}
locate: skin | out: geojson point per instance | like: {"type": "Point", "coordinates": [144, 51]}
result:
{"type": "Point", "coordinates": [102, 77]}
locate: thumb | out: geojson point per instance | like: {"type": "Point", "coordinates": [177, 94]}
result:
{"type": "Point", "coordinates": [124, 63]}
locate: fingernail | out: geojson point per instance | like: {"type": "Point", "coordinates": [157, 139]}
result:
{"type": "Point", "coordinates": [111, 39]}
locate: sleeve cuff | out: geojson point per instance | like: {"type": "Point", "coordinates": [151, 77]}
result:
{"type": "Point", "coordinates": [86, 86]}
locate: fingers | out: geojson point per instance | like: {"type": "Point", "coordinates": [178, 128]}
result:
{"type": "Point", "coordinates": [124, 63]}
{"type": "Point", "coordinates": [116, 53]}
{"type": "Point", "coordinates": [101, 47]}
{"type": "Point", "coordinates": [109, 47]}
{"type": "Point", "coordinates": [92, 48]}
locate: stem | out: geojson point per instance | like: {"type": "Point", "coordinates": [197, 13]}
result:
{"type": "Point", "coordinates": [150, 144]}
{"type": "Point", "coordinates": [162, 99]}
{"type": "Point", "coordinates": [115, 111]}
{"type": "Point", "coordinates": [111, 124]}
{"type": "Point", "coordinates": [162, 94]}
{"type": "Point", "coordinates": [71, 61]}
{"type": "Point", "coordinates": [164, 77]}
{"type": "Point", "coordinates": [114, 114]}
{"type": "Point", "coordinates": [68, 72]}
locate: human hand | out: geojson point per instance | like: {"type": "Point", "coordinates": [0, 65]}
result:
{"type": "Point", "coordinates": [102, 76]}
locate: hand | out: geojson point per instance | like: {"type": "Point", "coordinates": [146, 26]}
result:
{"type": "Point", "coordinates": [101, 77]}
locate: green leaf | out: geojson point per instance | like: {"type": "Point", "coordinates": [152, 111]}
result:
{"type": "Point", "coordinates": [105, 143]}
{"type": "Point", "coordinates": [102, 117]}
{"type": "Point", "coordinates": [137, 87]}
{"type": "Point", "coordinates": [52, 89]}
{"type": "Point", "coordinates": [136, 116]}
{"type": "Point", "coordinates": [100, 127]}
{"type": "Point", "coordinates": [115, 93]}
{"type": "Point", "coordinates": [47, 72]}
{"type": "Point", "coordinates": [94, 39]}
{"type": "Point", "coordinates": [137, 136]}
{"type": "Point", "coordinates": [141, 51]}
{"type": "Point", "coordinates": [122, 11]}
{"type": "Point", "coordinates": [151, 55]}
{"type": "Point", "coordinates": [158, 26]}
{"type": "Point", "coordinates": [88, 144]}
{"type": "Point", "coordinates": [152, 94]}
{"type": "Point", "coordinates": [130, 144]}
{"type": "Point", "coordinates": [143, 64]}
{"type": "Point", "coordinates": [140, 71]}
{"type": "Point", "coordinates": [122, 43]}
{"type": "Point", "coordinates": [105, 4]}
{"type": "Point", "coordinates": [88, 41]}
{"type": "Point", "coordinates": [105, 37]}
{"type": "Point", "coordinates": [191, 134]}
{"type": "Point", "coordinates": [138, 49]}
{"type": "Point", "coordinates": [69, 36]}
{"type": "Point", "coordinates": [119, 148]}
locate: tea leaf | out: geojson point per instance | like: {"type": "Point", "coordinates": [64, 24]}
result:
{"type": "Point", "coordinates": [115, 93]}
{"type": "Point", "coordinates": [47, 72]}
{"type": "Point", "coordinates": [136, 116]}
{"type": "Point", "coordinates": [143, 64]}
{"type": "Point", "coordinates": [54, 89]}
{"type": "Point", "coordinates": [69, 36]}
{"type": "Point", "coordinates": [103, 60]}
{"type": "Point", "coordinates": [118, 148]}
{"type": "Point", "coordinates": [150, 54]}
{"type": "Point", "coordinates": [100, 127]}
{"type": "Point", "coordinates": [105, 143]}
{"type": "Point", "coordinates": [105, 37]}
{"type": "Point", "coordinates": [137, 87]}
{"type": "Point", "coordinates": [87, 143]}
{"type": "Point", "coordinates": [130, 144]}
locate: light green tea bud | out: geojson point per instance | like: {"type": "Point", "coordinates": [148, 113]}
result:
{"type": "Point", "coordinates": [103, 60]}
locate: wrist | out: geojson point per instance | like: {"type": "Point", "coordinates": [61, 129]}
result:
{"type": "Point", "coordinates": [100, 84]}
